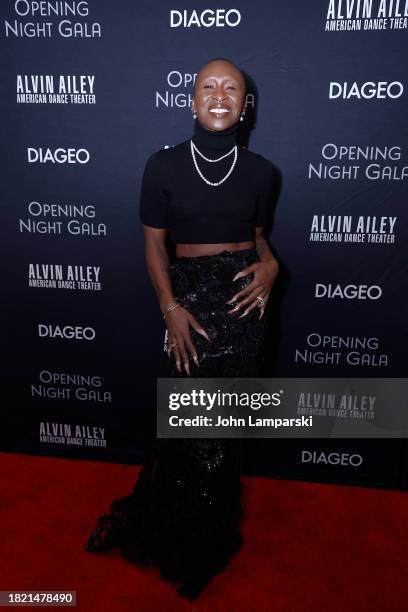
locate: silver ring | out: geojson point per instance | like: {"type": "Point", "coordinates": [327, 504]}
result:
{"type": "Point", "coordinates": [261, 300]}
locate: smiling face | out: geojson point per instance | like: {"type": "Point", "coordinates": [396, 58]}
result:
{"type": "Point", "coordinates": [219, 94]}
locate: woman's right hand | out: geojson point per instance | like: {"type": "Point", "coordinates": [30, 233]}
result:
{"type": "Point", "coordinates": [178, 323]}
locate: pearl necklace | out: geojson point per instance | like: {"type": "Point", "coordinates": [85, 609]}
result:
{"type": "Point", "coordinates": [194, 148]}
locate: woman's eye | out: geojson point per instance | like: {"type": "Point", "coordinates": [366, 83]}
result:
{"type": "Point", "coordinates": [207, 86]}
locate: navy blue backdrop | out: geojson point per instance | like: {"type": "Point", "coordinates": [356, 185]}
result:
{"type": "Point", "coordinates": [90, 90]}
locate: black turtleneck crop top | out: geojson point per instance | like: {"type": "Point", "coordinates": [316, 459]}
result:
{"type": "Point", "coordinates": [175, 197]}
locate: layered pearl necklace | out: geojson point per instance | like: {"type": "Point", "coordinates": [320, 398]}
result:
{"type": "Point", "coordinates": [194, 148]}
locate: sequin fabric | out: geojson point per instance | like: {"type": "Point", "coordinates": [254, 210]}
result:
{"type": "Point", "coordinates": [183, 514]}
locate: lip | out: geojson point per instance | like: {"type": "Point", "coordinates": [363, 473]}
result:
{"type": "Point", "coordinates": [214, 109]}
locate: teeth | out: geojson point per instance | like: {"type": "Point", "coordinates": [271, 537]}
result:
{"type": "Point", "coordinates": [219, 110]}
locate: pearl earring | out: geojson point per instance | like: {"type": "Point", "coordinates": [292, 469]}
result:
{"type": "Point", "coordinates": [194, 115]}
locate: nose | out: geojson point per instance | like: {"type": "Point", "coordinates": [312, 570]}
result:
{"type": "Point", "coordinates": [219, 97]}
{"type": "Point", "coordinates": [219, 92]}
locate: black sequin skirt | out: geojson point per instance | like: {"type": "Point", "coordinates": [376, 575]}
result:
{"type": "Point", "coordinates": [183, 515]}
{"type": "Point", "coordinates": [203, 285]}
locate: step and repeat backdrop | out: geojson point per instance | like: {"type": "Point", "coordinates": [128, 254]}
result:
{"type": "Point", "coordinates": [89, 90]}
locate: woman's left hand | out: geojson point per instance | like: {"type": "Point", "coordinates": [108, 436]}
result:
{"type": "Point", "coordinates": [265, 273]}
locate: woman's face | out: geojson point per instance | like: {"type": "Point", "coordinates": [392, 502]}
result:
{"type": "Point", "coordinates": [219, 95]}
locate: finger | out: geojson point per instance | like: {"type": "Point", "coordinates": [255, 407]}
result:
{"type": "Point", "coordinates": [191, 348]}
{"type": "Point", "coordinates": [199, 328]}
{"type": "Point", "coordinates": [265, 296]}
{"type": "Point", "coordinates": [247, 300]}
{"type": "Point", "coordinates": [243, 292]}
{"type": "Point", "coordinates": [170, 342]}
{"type": "Point", "coordinates": [262, 307]}
{"type": "Point", "coordinates": [177, 358]}
{"type": "Point", "coordinates": [255, 304]}
{"type": "Point", "coordinates": [184, 355]}
{"type": "Point", "coordinates": [188, 343]}
{"type": "Point", "coordinates": [245, 271]}
{"type": "Point", "coordinates": [247, 289]}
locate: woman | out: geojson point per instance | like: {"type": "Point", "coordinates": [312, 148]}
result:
{"type": "Point", "coordinates": [183, 515]}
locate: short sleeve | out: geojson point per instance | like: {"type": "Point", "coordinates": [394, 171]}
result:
{"type": "Point", "coordinates": [265, 193]}
{"type": "Point", "coordinates": [153, 196]}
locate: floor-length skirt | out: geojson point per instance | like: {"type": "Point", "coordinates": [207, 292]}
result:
{"type": "Point", "coordinates": [183, 514]}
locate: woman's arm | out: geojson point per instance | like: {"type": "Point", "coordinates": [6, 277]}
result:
{"type": "Point", "coordinates": [158, 261]}
{"type": "Point", "coordinates": [263, 249]}
{"type": "Point", "coordinates": [179, 319]}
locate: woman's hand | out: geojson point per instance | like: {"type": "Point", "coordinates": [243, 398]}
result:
{"type": "Point", "coordinates": [179, 340]}
{"type": "Point", "coordinates": [265, 273]}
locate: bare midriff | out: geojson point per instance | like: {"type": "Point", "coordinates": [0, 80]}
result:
{"type": "Point", "coordinates": [194, 250]}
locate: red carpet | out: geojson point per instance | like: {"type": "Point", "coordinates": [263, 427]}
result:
{"type": "Point", "coordinates": [308, 547]}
